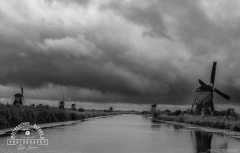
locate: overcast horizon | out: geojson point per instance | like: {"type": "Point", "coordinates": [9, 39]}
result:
{"type": "Point", "coordinates": [119, 52]}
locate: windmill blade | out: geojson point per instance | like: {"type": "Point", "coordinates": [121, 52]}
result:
{"type": "Point", "coordinates": [154, 102]}
{"type": "Point", "coordinates": [21, 89]}
{"type": "Point", "coordinates": [213, 73]}
{"type": "Point", "coordinates": [222, 94]}
{"type": "Point", "coordinates": [201, 82]}
{"type": "Point", "coordinates": [23, 100]}
{"type": "Point", "coordinates": [12, 101]}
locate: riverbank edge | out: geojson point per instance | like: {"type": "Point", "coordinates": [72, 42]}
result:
{"type": "Point", "coordinates": [8, 131]}
{"type": "Point", "coordinates": [224, 132]}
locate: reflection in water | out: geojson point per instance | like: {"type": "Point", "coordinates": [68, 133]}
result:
{"type": "Point", "coordinates": [155, 124]}
{"type": "Point", "coordinates": [203, 141]}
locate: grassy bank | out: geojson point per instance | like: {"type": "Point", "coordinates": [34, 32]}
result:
{"type": "Point", "coordinates": [214, 122]}
{"type": "Point", "coordinates": [11, 116]}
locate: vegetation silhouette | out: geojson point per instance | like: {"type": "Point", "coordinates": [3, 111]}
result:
{"type": "Point", "coordinates": [13, 115]}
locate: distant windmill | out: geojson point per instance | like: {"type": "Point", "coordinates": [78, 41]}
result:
{"type": "Point", "coordinates": [154, 108]}
{"type": "Point", "coordinates": [203, 95]}
{"type": "Point", "coordinates": [18, 98]}
{"type": "Point", "coordinates": [74, 106]}
{"type": "Point", "coordinates": [62, 104]}
{"type": "Point", "coordinates": [111, 109]}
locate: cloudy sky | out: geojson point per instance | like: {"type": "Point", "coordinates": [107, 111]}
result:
{"type": "Point", "coordinates": [111, 51]}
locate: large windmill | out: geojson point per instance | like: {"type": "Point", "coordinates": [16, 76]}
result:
{"type": "Point", "coordinates": [154, 108]}
{"type": "Point", "coordinates": [203, 95]}
{"type": "Point", "coordinates": [62, 104]}
{"type": "Point", "coordinates": [18, 98]}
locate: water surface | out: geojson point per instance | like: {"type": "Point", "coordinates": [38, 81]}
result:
{"type": "Point", "coordinates": [129, 134]}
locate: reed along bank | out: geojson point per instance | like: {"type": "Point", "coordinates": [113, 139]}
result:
{"type": "Point", "coordinates": [13, 115]}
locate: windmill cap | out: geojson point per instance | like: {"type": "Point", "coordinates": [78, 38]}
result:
{"type": "Point", "coordinates": [18, 95]}
{"type": "Point", "coordinates": [206, 88]}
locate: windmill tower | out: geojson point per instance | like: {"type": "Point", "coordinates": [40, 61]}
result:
{"type": "Point", "coordinates": [18, 98]}
{"type": "Point", "coordinates": [203, 95]}
{"type": "Point", "coordinates": [62, 104]}
{"type": "Point", "coordinates": [154, 110]}
{"type": "Point", "coordinates": [74, 106]}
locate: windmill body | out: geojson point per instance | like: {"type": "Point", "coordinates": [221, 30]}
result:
{"type": "Point", "coordinates": [18, 98]}
{"type": "Point", "coordinates": [74, 106]}
{"type": "Point", "coordinates": [204, 100]}
{"type": "Point", "coordinates": [154, 110]}
{"type": "Point", "coordinates": [62, 104]}
{"type": "Point", "coordinates": [203, 96]}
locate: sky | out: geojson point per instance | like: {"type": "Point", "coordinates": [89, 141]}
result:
{"type": "Point", "coordinates": [119, 52]}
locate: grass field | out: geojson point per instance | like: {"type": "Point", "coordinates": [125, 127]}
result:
{"type": "Point", "coordinates": [232, 123]}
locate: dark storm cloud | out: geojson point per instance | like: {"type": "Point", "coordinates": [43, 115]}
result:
{"type": "Point", "coordinates": [148, 15]}
{"type": "Point", "coordinates": [116, 51]}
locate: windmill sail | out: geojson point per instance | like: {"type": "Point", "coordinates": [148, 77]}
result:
{"type": "Point", "coordinates": [21, 89]}
{"type": "Point", "coordinates": [222, 94]}
{"type": "Point", "coordinates": [154, 101]}
{"type": "Point", "coordinates": [213, 72]}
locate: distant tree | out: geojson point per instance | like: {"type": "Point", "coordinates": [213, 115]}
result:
{"type": "Point", "coordinates": [32, 105]}
{"type": "Point", "coordinates": [39, 105]}
{"type": "Point", "coordinates": [188, 111]}
{"type": "Point", "coordinates": [46, 106]}
{"type": "Point", "coordinates": [81, 110]}
{"type": "Point", "coordinates": [8, 105]}
{"type": "Point", "coordinates": [166, 112]}
{"type": "Point", "coordinates": [177, 113]}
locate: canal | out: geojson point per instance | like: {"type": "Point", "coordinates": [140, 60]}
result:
{"type": "Point", "coordinates": [128, 134]}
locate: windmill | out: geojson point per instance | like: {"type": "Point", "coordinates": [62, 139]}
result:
{"type": "Point", "coordinates": [18, 98]}
{"type": "Point", "coordinates": [74, 106]}
{"type": "Point", "coordinates": [62, 104]}
{"type": "Point", "coordinates": [111, 109]}
{"type": "Point", "coordinates": [154, 108]}
{"type": "Point", "coordinates": [203, 95]}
